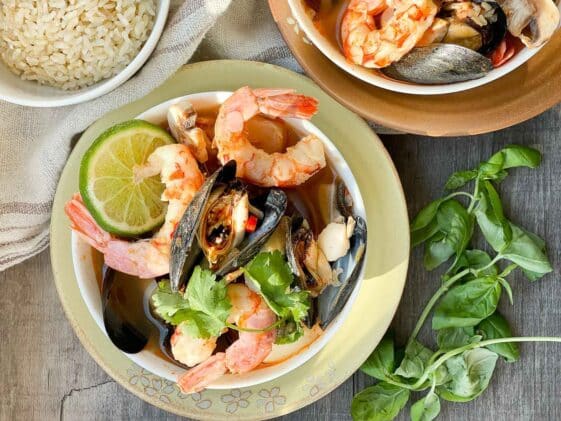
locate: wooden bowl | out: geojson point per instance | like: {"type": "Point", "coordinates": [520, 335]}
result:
{"type": "Point", "coordinates": [516, 97]}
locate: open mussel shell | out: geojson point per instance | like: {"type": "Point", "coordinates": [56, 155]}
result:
{"type": "Point", "coordinates": [123, 315]}
{"type": "Point", "coordinates": [349, 267]}
{"type": "Point", "coordinates": [297, 235]}
{"type": "Point", "coordinates": [440, 64]}
{"type": "Point", "coordinates": [185, 248]}
{"type": "Point", "coordinates": [273, 210]}
{"type": "Point", "coordinates": [493, 33]}
{"type": "Point", "coordinates": [189, 241]}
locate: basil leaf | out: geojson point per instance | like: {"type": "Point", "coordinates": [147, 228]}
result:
{"type": "Point", "coordinates": [455, 230]}
{"type": "Point", "coordinates": [528, 251]}
{"type": "Point", "coordinates": [424, 223]}
{"type": "Point", "coordinates": [494, 327]}
{"type": "Point", "coordinates": [381, 402]}
{"type": "Point", "coordinates": [467, 304]}
{"type": "Point", "coordinates": [423, 234]}
{"type": "Point", "coordinates": [415, 360]}
{"type": "Point", "coordinates": [475, 259]}
{"type": "Point", "coordinates": [437, 251]}
{"type": "Point", "coordinates": [455, 337]}
{"type": "Point", "coordinates": [381, 363]}
{"type": "Point", "coordinates": [516, 156]}
{"type": "Point", "coordinates": [490, 217]}
{"type": "Point", "coordinates": [492, 171]}
{"type": "Point", "coordinates": [459, 179]}
{"type": "Point", "coordinates": [426, 409]}
{"type": "Point", "coordinates": [470, 373]}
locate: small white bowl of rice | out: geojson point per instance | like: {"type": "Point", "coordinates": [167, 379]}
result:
{"type": "Point", "coordinates": [63, 52]}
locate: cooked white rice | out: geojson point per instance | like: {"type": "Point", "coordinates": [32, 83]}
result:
{"type": "Point", "coordinates": [71, 44]}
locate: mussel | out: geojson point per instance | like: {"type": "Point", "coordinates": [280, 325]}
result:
{"type": "Point", "coordinates": [454, 48]}
{"type": "Point", "coordinates": [215, 223]}
{"type": "Point", "coordinates": [307, 261]}
{"type": "Point", "coordinates": [330, 285]}
{"type": "Point", "coordinates": [123, 311]}
{"type": "Point", "coordinates": [348, 269]}
{"type": "Point", "coordinates": [477, 25]}
{"type": "Point", "coordinates": [440, 64]}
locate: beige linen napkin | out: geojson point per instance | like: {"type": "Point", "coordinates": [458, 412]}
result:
{"type": "Point", "coordinates": [35, 142]}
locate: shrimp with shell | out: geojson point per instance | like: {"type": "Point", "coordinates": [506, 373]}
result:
{"type": "Point", "coordinates": [281, 169]}
{"type": "Point", "coordinates": [377, 33]}
{"type": "Point", "coordinates": [249, 311]}
{"type": "Point", "coordinates": [146, 258]}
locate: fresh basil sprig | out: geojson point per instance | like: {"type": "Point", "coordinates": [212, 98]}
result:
{"type": "Point", "coordinates": [470, 334]}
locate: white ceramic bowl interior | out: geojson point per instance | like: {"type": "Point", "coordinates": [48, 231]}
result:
{"type": "Point", "coordinates": [30, 93]}
{"type": "Point", "coordinates": [82, 260]}
{"type": "Point", "coordinates": [376, 78]}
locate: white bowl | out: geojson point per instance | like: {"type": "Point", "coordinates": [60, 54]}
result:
{"type": "Point", "coordinates": [376, 78]}
{"type": "Point", "coordinates": [89, 289]}
{"type": "Point", "coordinates": [30, 93]}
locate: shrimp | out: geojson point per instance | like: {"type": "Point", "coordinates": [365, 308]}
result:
{"type": "Point", "coordinates": [290, 168]}
{"type": "Point", "coordinates": [189, 350]}
{"type": "Point", "coordinates": [145, 258]}
{"type": "Point", "coordinates": [250, 311]}
{"type": "Point", "coordinates": [376, 33]}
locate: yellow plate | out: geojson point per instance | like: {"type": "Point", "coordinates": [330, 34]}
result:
{"type": "Point", "coordinates": [386, 268]}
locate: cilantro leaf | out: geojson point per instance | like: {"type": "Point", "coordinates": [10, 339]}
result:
{"type": "Point", "coordinates": [168, 303]}
{"type": "Point", "coordinates": [207, 296]}
{"type": "Point", "coordinates": [202, 311]}
{"type": "Point", "coordinates": [271, 276]}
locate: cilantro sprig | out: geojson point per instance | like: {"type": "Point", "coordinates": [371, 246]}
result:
{"type": "Point", "coordinates": [202, 310]}
{"type": "Point", "coordinates": [270, 275]}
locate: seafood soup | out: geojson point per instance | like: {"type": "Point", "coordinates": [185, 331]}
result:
{"type": "Point", "coordinates": [254, 262]}
{"type": "Point", "coordinates": [433, 42]}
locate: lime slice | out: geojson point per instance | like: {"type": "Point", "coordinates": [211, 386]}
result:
{"type": "Point", "coordinates": [119, 203]}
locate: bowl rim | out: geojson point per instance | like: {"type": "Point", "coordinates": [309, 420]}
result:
{"type": "Point", "coordinates": [106, 85]}
{"type": "Point", "coordinates": [298, 11]}
{"type": "Point", "coordinates": [82, 268]}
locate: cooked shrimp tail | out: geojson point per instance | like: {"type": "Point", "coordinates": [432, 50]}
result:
{"type": "Point", "coordinates": [196, 379]}
{"type": "Point", "coordinates": [249, 311]}
{"type": "Point", "coordinates": [139, 258]}
{"type": "Point", "coordinates": [145, 258]}
{"type": "Point", "coordinates": [281, 169]}
{"type": "Point", "coordinates": [376, 33]}
{"type": "Point", "coordinates": [285, 103]}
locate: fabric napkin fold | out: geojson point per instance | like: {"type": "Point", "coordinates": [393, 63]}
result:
{"type": "Point", "coordinates": [35, 142]}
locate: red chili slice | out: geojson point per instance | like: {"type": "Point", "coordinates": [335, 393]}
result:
{"type": "Point", "coordinates": [251, 223]}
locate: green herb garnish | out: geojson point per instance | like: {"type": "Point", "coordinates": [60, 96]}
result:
{"type": "Point", "coordinates": [201, 311]}
{"type": "Point", "coordinates": [470, 333]}
{"type": "Point", "coordinates": [270, 274]}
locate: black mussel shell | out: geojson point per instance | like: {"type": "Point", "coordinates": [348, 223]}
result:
{"type": "Point", "coordinates": [125, 329]}
{"type": "Point", "coordinates": [185, 248]}
{"type": "Point", "coordinates": [493, 33]}
{"type": "Point", "coordinates": [334, 297]}
{"type": "Point", "coordinates": [273, 210]}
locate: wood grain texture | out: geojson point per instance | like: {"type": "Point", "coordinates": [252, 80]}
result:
{"type": "Point", "coordinates": [46, 374]}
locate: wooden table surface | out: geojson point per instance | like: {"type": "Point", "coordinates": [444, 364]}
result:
{"type": "Point", "coordinates": [46, 374]}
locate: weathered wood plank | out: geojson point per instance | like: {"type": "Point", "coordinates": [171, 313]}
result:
{"type": "Point", "coordinates": [46, 374]}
